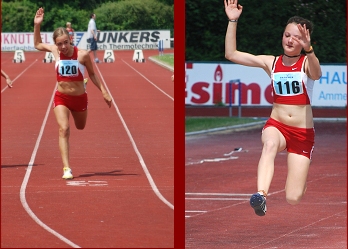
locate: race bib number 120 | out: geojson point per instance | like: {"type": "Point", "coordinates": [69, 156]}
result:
{"type": "Point", "coordinates": [287, 84]}
{"type": "Point", "coordinates": [68, 68]}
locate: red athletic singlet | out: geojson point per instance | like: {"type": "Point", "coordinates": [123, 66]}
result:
{"type": "Point", "coordinates": [69, 68]}
{"type": "Point", "coordinates": [290, 84]}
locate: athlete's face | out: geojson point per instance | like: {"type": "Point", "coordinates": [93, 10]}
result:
{"type": "Point", "coordinates": [290, 45]}
{"type": "Point", "coordinates": [63, 44]}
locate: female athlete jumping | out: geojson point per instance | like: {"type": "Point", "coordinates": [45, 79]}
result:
{"type": "Point", "coordinates": [290, 125]}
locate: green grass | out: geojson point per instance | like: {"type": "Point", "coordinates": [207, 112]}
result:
{"type": "Point", "coordinates": [165, 58]}
{"type": "Point", "coordinates": [199, 123]}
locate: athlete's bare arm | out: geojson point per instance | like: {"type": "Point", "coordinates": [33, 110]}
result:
{"type": "Point", "coordinates": [95, 79]}
{"type": "Point", "coordinates": [37, 35]}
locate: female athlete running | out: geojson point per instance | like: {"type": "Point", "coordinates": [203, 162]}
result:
{"type": "Point", "coordinates": [70, 96]}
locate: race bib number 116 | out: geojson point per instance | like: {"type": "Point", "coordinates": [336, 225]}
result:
{"type": "Point", "coordinates": [287, 83]}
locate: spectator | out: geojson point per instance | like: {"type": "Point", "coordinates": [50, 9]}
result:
{"type": "Point", "coordinates": [92, 36]}
{"type": "Point", "coordinates": [71, 32]}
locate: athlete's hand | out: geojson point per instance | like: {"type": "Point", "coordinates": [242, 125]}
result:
{"type": "Point", "coordinates": [107, 98]}
{"type": "Point", "coordinates": [39, 16]}
{"type": "Point", "coordinates": [233, 9]}
{"type": "Point", "coordinates": [9, 82]}
{"type": "Point", "coordinates": [305, 40]}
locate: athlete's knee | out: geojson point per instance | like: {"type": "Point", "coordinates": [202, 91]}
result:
{"type": "Point", "coordinates": [270, 146]}
{"type": "Point", "coordinates": [293, 201]}
{"type": "Point", "coordinates": [64, 131]}
{"type": "Point", "coordinates": [80, 126]}
{"type": "Point", "coordinates": [294, 198]}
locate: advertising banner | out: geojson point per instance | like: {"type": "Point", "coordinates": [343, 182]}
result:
{"type": "Point", "coordinates": [222, 84]}
{"type": "Point", "coordinates": [114, 40]}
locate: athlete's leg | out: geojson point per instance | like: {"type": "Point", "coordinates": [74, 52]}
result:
{"type": "Point", "coordinates": [62, 116]}
{"type": "Point", "coordinates": [80, 119]}
{"type": "Point", "coordinates": [273, 142]}
{"type": "Point", "coordinates": [298, 167]}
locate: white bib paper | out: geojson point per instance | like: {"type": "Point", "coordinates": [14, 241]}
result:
{"type": "Point", "coordinates": [68, 68]}
{"type": "Point", "coordinates": [287, 83]}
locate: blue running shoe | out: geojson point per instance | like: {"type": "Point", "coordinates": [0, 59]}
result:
{"type": "Point", "coordinates": [258, 203]}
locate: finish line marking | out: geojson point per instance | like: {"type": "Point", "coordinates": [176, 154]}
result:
{"type": "Point", "coordinates": [86, 183]}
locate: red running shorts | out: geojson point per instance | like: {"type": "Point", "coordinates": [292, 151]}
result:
{"type": "Point", "coordinates": [73, 103]}
{"type": "Point", "coordinates": [298, 140]}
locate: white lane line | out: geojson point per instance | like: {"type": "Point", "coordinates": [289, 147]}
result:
{"type": "Point", "coordinates": [89, 157]}
{"type": "Point", "coordinates": [26, 179]}
{"type": "Point", "coordinates": [217, 199]}
{"type": "Point", "coordinates": [87, 183]}
{"type": "Point", "coordinates": [299, 229]}
{"type": "Point", "coordinates": [219, 194]}
{"type": "Point", "coordinates": [212, 160]}
{"type": "Point", "coordinates": [194, 211]}
{"type": "Point", "coordinates": [141, 160]}
{"type": "Point", "coordinates": [269, 194]}
{"type": "Point", "coordinates": [149, 81]}
{"type": "Point", "coordinates": [18, 76]}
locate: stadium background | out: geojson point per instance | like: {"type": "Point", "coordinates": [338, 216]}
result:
{"type": "Point", "coordinates": [259, 31]}
{"type": "Point", "coordinates": [112, 17]}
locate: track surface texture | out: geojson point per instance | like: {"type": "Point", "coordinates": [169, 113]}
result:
{"type": "Point", "coordinates": [221, 175]}
{"type": "Point", "coordinates": [122, 194]}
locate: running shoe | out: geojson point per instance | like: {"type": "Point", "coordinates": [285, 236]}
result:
{"type": "Point", "coordinates": [97, 60]}
{"type": "Point", "coordinates": [258, 203]}
{"type": "Point", "coordinates": [67, 173]}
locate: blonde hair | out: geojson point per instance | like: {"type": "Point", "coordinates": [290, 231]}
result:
{"type": "Point", "coordinates": [59, 32]}
{"type": "Point", "coordinates": [68, 24]}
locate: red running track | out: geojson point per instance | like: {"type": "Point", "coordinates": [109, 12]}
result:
{"type": "Point", "coordinates": [218, 187]}
{"type": "Point", "coordinates": [123, 161]}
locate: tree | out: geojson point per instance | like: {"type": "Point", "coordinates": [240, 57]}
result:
{"type": "Point", "coordinates": [261, 25]}
{"type": "Point", "coordinates": [17, 16]}
{"type": "Point", "coordinates": [135, 14]}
